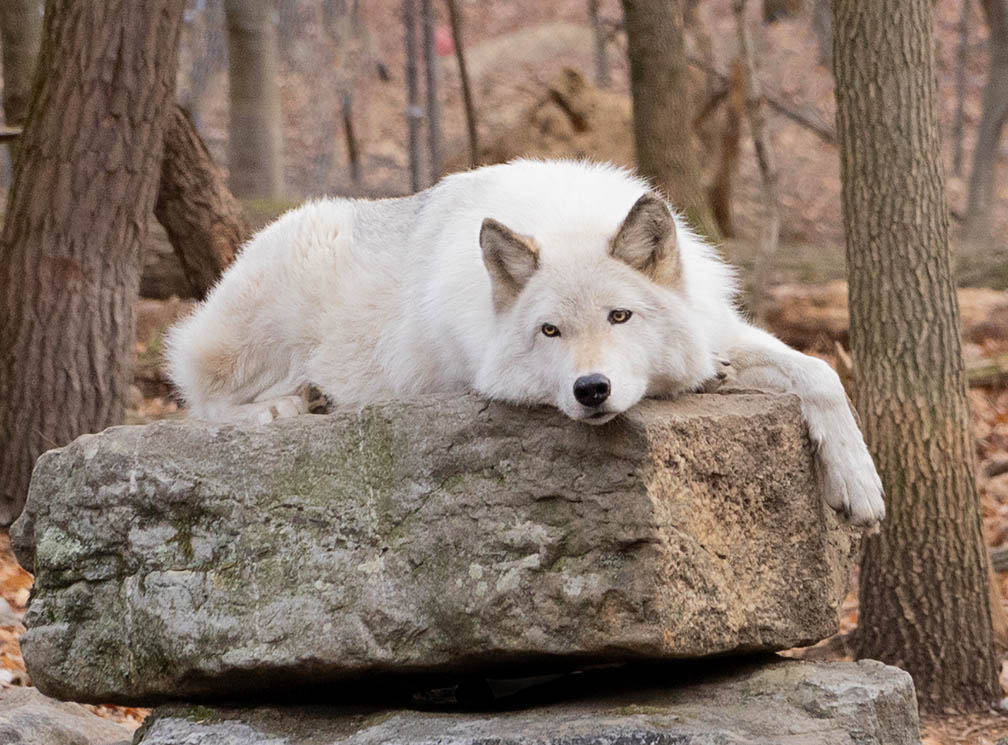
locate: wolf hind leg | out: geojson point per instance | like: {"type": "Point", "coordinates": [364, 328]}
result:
{"type": "Point", "coordinates": [307, 399]}
{"type": "Point", "coordinates": [263, 412]}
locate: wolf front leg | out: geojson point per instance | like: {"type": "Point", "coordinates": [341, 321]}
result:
{"type": "Point", "coordinates": [850, 482]}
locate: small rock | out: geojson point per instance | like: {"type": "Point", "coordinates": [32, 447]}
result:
{"type": "Point", "coordinates": [8, 616]}
{"type": "Point", "coordinates": [29, 718]}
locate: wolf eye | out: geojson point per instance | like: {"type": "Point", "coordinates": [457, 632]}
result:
{"type": "Point", "coordinates": [549, 329]}
{"type": "Point", "coordinates": [619, 316]}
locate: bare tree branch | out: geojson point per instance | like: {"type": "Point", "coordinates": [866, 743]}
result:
{"type": "Point", "coordinates": [353, 153]}
{"type": "Point", "coordinates": [810, 121]}
{"type": "Point", "coordinates": [455, 19]}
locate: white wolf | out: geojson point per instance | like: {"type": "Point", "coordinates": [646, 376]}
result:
{"type": "Point", "coordinates": [557, 282]}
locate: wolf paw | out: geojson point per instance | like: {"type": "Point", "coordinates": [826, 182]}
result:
{"type": "Point", "coordinates": [264, 412]}
{"type": "Point", "coordinates": [724, 378]}
{"type": "Point", "coordinates": [316, 402]}
{"type": "Point", "coordinates": [850, 483]}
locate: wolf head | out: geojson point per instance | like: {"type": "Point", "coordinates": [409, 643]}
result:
{"type": "Point", "coordinates": [595, 324]}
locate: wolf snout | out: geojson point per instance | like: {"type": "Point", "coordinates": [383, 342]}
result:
{"type": "Point", "coordinates": [592, 390]}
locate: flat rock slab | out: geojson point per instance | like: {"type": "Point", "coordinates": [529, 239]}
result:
{"type": "Point", "coordinates": [786, 703]}
{"type": "Point", "coordinates": [29, 718]}
{"type": "Point", "coordinates": [438, 536]}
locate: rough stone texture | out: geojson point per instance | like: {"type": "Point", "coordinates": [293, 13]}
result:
{"type": "Point", "coordinates": [29, 718]}
{"type": "Point", "coordinates": [786, 703]}
{"type": "Point", "coordinates": [444, 535]}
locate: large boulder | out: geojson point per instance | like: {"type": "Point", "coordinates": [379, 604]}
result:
{"type": "Point", "coordinates": [797, 703]}
{"type": "Point", "coordinates": [438, 536]}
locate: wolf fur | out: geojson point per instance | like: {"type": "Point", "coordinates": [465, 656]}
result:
{"type": "Point", "coordinates": [557, 282]}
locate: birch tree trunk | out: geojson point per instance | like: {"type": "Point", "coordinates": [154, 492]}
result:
{"type": "Point", "coordinates": [924, 585]}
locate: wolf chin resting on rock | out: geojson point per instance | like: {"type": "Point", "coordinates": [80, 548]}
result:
{"type": "Point", "coordinates": [562, 283]}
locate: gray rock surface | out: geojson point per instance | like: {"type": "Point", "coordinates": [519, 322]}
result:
{"type": "Point", "coordinates": [783, 703]}
{"type": "Point", "coordinates": [29, 718]}
{"type": "Point", "coordinates": [443, 535]}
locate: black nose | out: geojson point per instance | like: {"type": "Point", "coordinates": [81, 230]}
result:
{"type": "Point", "coordinates": [591, 390]}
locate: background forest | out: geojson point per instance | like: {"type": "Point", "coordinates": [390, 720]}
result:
{"type": "Point", "coordinates": [283, 100]}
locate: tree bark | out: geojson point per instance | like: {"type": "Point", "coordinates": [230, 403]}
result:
{"type": "Point", "coordinates": [663, 107]}
{"type": "Point", "coordinates": [204, 222]}
{"type": "Point", "coordinates": [983, 179]}
{"type": "Point", "coordinates": [21, 30]}
{"type": "Point", "coordinates": [925, 604]}
{"type": "Point", "coordinates": [70, 251]}
{"type": "Point", "coordinates": [255, 137]}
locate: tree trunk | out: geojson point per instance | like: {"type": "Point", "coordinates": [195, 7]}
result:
{"type": "Point", "coordinates": [995, 113]}
{"type": "Point", "coordinates": [822, 25]}
{"type": "Point", "coordinates": [433, 104]}
{"type": "Point", "coordinates": [775, 10]}
{"type": "Point", "coordinates": [208, 54]}
{"type": "Point", "coordinates": [414, 113]}
{"type": "Point", "coordinates": [962, 53]}
{"type": "Point", "coordinates": [204, 222]}
{"type": "Point", "coordinates": [255, 134]}
{"type": "Point", "coordinates": [470, 108]}
{"type": "Point", "coordinates": [924, 587]}
{"type": "Point", "coordinates": [21, 29]}
{"type": "Point", "coordinates": [663, 107]}
{"type": "Point", "coordinates": [756, 116]}
{"type": "Point", "coordinates": [720, 192]}
{"type": "Point", "coordinates": [603, 79]}
{"type": "Point", "coordinates": [70, 252]}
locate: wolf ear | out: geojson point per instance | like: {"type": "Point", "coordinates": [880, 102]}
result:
{"type": "Point", "coordinates": [510, 259]}
{"type": "Point", "coordinates": [647, 240]}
